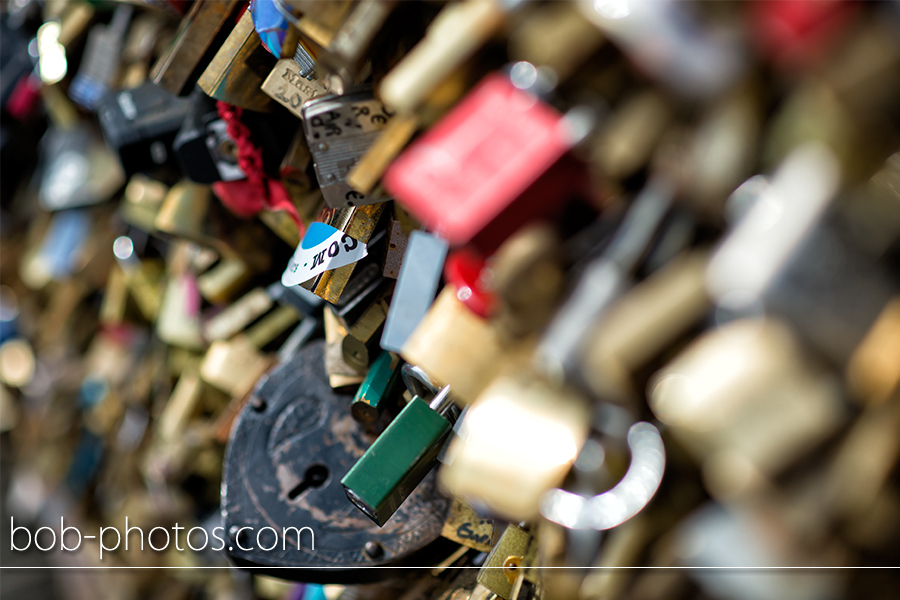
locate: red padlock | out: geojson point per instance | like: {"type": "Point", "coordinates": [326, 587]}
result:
{"type": "Point", "coordinates": [497, 161]}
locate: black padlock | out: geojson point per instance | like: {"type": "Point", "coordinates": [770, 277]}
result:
{"type": "Point", "coordinates": [141, 124]}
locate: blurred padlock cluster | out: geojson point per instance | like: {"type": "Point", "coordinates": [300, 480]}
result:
{"type": "Point", "coordinates": [426, 300]}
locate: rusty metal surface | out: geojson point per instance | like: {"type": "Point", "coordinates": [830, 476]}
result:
{"type": "Point", "coordinates": [294, 421]}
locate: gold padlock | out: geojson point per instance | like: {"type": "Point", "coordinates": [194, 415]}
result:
{"type": "Point", "coordinates": [501, 569]}
{"type": "Point", "coordinates": [179, 67]}
{"type": "Point", "coordinates": [238, 69]}
{"type": "Point", "coordinates": [290, 89]}
{"type": "Point", "coordinates": [471, 352]}
{"type": "Point", "coordinates": [509, 470]}
{"type": "Point", "coordinates": [359, 223]}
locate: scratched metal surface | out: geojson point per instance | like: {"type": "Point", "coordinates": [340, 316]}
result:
{"type": "Point", "coordinates": [293, 421]}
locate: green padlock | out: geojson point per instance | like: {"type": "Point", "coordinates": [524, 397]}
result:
{"type": "Point", "coordinates": [400, 458]}
{"type": "Point", "coordinates": [375, 391]}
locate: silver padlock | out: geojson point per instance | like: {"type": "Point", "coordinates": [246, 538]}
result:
{"type": "Point", "coordinates": [339, 130]}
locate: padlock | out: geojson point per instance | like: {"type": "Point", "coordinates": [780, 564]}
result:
{"type": "Point", "coordinates": [317, 21]}
{"type": "Point", "coordinates": [203, 147]}
{"type": "Point", "coordinates": [715, 406]}
{"type": "Point", "coordinates": [798, 255]}
{"type": "Point", "coordinates": [509, 471]}
{"type": "Point", "coordinates": [627, 139]}
{"type": "Point", "coordinates": [694, 61]}
{"type": "Point", "coordinates": [100, 63]}
{"type": "Point", "coordinates": [417, 284]}
{"type": "Point", "coordinates": [238, 315]}
{"type": "Point", "coordinates": [365, 288]}
{"type": "Point", "coordinates": [188, 212]}
{"type": "Point", "coordinates": [339, 130]}
{"type": "Point", "coordinates": [872, 217]}
{"type": "Point", "coordinates": [184, 211]}
{"type": "Point", "coordinates": [361, 342]}
{"type": "Point", "coordinates": [298, 183]}
{"type": "Point", "coordinates": [272, 326]}
{"type": "Point", "coordinates": [723, 149]}
{"type": "Point", "coordinates": [138, 49]}
{"type": "Point", "coordinates": [472, 352]}
{"type": "Point", "coordinates": [179, 322]}
{"type": "Point", "coordinates": [500, 570]}
{"type": "Point", "coordinates": [400, 228]}
{"type": "Point", "coordinates": [224, 280]}
{"type": "Point", "coordinates": [374, 393]}
{"type": "Point", "coordinates": [141, 125]}
{"type": "Point", "coordinates": [397, 462]}
{"type": "Point", "coordinates": [580, 509]}
{"type": "Point", "coordinates": [352, 44]}
{"type": "Point", "coordinates": [525, 279]}
{"type": "Point", "coordinates": [142, 200]}
{"type": "Point", "coordinates": [234, 366]}
{"type": "Point", "coordinates": [358, 223]}
{"type": "Point", "coordinates": [303, 301]}
{"type": "Point", "coordinates": [643, 323]}
{"type": "Point", "coordinates": [115, 299]}
{"type": "Point", "coordinates": [508, 161]}
{"type": "Point", "coordinates": [873, 371]}
{"type": "Point", "coordinates": [181, 405]}
{"type": "Point", "coordinates": [711, 525]}
{"type": "Point", "coordinates": [238, 69]}
{"type": "Point", "coordinates": [78, 169]}
{"type": "Point", "coordinates": [390, 142]}
{"type": "Point", "coordinates": [341, 374]}
{"type": "Point", "coordinates": [142, 278]}
{"type": "Point", "coordinates": [555, 36]}
{"type": "Point", "coordinates": [288, 86]}
{"type": "Point", "coordinates": [454, 35]}
{"type": "Point", "coordinates": [201, 33]}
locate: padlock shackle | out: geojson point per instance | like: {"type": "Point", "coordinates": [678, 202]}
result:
{"type": "Point", "coordinates": [625, 500]}
{"type": "Point", "coordinates": [442, 402]}
{"type": "Point", "coordinates": [418, 382]}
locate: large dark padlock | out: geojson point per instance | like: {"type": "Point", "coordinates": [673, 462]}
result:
{"type": "Point", "coordinates": [289, 449]}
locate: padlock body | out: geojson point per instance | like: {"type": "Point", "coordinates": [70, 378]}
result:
{"type": "Point", "coordinates": [397, 462]}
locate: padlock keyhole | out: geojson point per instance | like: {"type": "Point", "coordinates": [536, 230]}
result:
{"type": "Point", "coordinates": [315, 477]}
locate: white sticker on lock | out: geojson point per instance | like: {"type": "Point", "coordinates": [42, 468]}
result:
{"type": "Point", "coordinates": [322, 248]}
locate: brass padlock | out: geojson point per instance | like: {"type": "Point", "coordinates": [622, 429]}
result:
{"type": "Point", "coordinates": [471, 352]}
{"type": "Point", "coordinates": [202, 32]}
{"type": "Point", "coordinates": [319, 21]}
{"type": "Point", "coordinates": [348, 49]}
{"type": "Point", "coordinates": [508, 471]}
{"type": "Point", "coordinates": [340, 373]}
{"type": "Point", "coordinates": [458, 31]}
{"type": "Point", "coordinates": [287, 85]}
{"type": "Point", "coordinates": [357, 222]}
{"type": "Point", "coordinates": [501, 569]}
{"type": "Point", "coordinates": [238, 69]}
